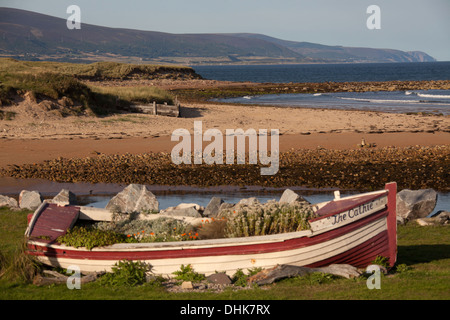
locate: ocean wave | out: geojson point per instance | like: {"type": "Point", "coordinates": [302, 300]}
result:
{"type": "Point", "coordinates": [380, 100]}
{"type": "Point", "coordinates": [439, 96]}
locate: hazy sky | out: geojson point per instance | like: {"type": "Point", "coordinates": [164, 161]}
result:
{"type": "Point", "coordinates": [407, 25]}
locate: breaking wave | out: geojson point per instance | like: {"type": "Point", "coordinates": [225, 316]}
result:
{"type": "Point", "coordinates": [380, 100]}
{"type": "Point", "coordinates": [439, 96]}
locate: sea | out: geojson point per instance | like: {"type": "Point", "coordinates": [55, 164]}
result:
{"type": "Point", "coordinates": [408, 101]}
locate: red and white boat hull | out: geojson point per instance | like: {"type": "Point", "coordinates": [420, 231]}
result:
{"type": "Point", "coordinates": [355, 236]}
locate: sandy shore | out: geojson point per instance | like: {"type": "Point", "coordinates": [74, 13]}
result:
{"type": "Point", "coordinates": [35, 135]}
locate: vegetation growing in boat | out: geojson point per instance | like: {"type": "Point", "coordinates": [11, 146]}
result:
{"type": "Point", "coordinates": [88, 237]}
{"type": "Point", "coordinates": [156, 230]}
{"type": "Point", "coordinates": [244, 221]}
{"type": "Point", "coordinates": [272, 218]}
{"type": "Point", "coordinates": [128, 231]}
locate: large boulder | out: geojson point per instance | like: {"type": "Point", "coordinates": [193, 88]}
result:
{"type": "Point", "coordinates": [30, 199]}
{"type": "Point", "coordinates": [9, 202]}
{"type": "Point", "coordinates": [65, 197]}
{"type": "Point", "coordinates": [213, 207]}
{"type": "Point", "coordinates": [134, 198]}
{"type": "Point", "coordinates": [414, 204]}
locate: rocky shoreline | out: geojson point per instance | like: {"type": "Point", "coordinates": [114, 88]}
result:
{"type": "Point", "coordinates": [358, 169]}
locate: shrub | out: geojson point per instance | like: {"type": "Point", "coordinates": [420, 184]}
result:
{"type": "Point", "coordinates": [402, 268]}
{"type": "Point", "coordinates": [270, 218]}
{"type": "Point", "coordinates": [187, 273]}
{"type": "Point", "coordinates": [381, 261]}
{"type": "Point", "coordinates": [126, 273]}
{"type": "Point", "coordinates": [19, 266]}
{"type": "Point", "coordinates": [89, 238]}
{"type": "Point", "coordinates": [241, 279]}
{"type": "Point", "coordinates": [156, 230]}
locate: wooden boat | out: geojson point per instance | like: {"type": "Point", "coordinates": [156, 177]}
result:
{"type": "Point", "coordinates": [352, 230]}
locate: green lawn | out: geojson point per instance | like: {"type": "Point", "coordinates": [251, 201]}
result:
{"type": "Point", "coordinates": [425, 251]}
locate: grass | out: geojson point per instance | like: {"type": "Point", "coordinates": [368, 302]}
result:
{"type": "Point", "coordinates": [423, 253]}
{"type": "Point", "coordinates": [51, 80]}
{"type": "Point", "coordinates": [91, 71]}
{"type": "Point", "coordinates": [136, 94]}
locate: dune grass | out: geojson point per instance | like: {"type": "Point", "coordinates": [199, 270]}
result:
{"type": "Point", "coordinates": [423, 254]}
{"type": "Point", "coordinates": [54, 80]}
{"type": "Point", "coordinates": [93, 71]}
{"type": "Point", "coordinates": [136, 94]}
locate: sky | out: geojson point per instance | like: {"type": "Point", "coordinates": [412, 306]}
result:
{"type": "Point", "coordinates": [407, 25]}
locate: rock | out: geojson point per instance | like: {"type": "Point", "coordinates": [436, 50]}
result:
{"type": "Point", "coordinates": [186, 212]}
{"type": "Point", "coordinates": [248, 202]}
{"type": "Point", "coordinates": [187, 285]}
{"type": "Point", "coordinates": [9, 202]}
{"type": "Point", "coordinates": [225, 206]}
{"type": "Point", "coordinates": [134, 198]}
{"type": "Point", "coordinates": [440, 212]}
{"type": "Point", "coordinates": [30, 199]}
{"type": "Point", "coordinates": [342, 270]}
{"type": "Point", "coordinates": [212, 209]}
{"type": "Point", "coordinates": [269, 276]}
{"type": "Point", "coordinates": [219, 278]}
{"type": "Point", "coordinates": [401, 220]}
{"type": "Point", "coordinates": [189, 205]}
{"type": "Point", "coordinates": [443, 217]}
{"type": "Point", "coordinates": [426, 222]}
{"type": "Point", "coordinates": [414, 204]}
{"type": "Point", "coordinates": [65, 197]}
{"type": "Point", "coordinates": [290, 197]}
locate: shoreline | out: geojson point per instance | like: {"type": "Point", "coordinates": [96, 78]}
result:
{"type": "Point", "coordinates": [35, 138]}
{"type": "Point", "coordinates": [33, 151]}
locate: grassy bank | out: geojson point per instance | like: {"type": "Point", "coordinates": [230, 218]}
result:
{"type": "Point", "coordinates": [63, 83]}
{"type": "Point", "coordinates": [98, 70]}
{"type": "Point", "coordinates": [423, 253]}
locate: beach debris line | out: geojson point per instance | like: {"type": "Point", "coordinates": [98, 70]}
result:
{"type": "Point", "coordinates": [412, 168]}
{"type": "Point", "coordinates": [213, 152]}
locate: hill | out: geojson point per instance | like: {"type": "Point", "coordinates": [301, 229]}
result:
{"type": "Point", "coordinates": [320, 52]}
{"type": "Point", "coordinates": [32, 36]}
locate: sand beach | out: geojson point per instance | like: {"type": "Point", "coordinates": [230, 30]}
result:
{"type": "Point", "coordinates": [36, 137]}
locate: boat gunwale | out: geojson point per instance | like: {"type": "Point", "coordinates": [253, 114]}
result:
{"type": "Point", "coordinates": [379, 195]}
{"type": "Point", "coordinates": [174, 245]}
